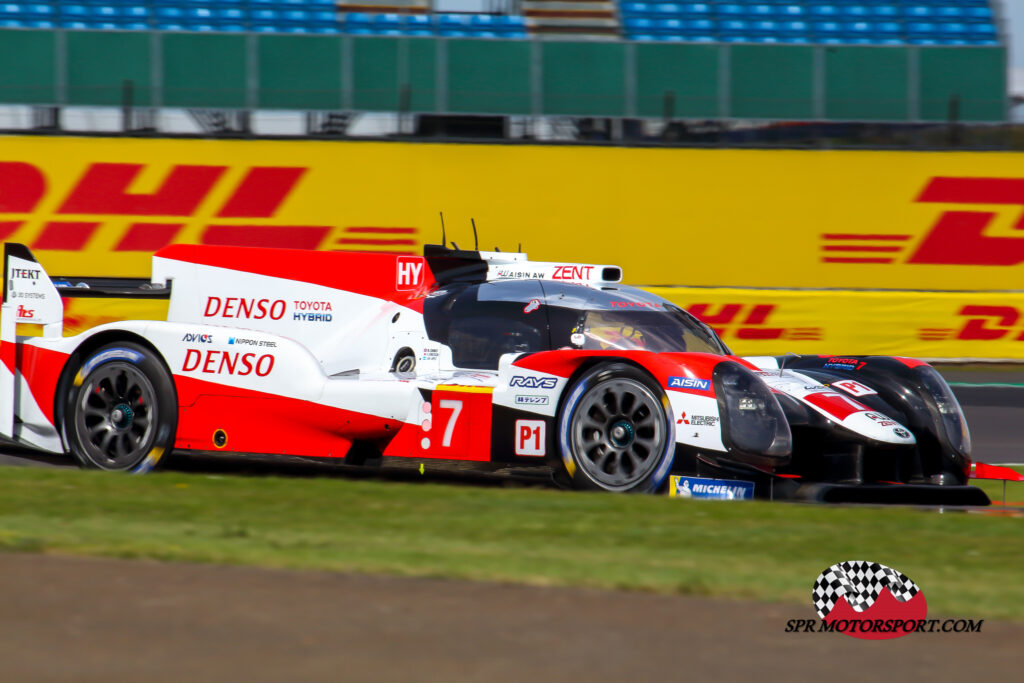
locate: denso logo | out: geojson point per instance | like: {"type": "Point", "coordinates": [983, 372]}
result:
{"type": "Point", "coordinates": [689, 383]}
{"type": "Point", "coordinates": [749, 322]}
{"type": "Point", "coordinates": [196, 337]}
{"type": "Point", "coordinates": [240, 307]}
{"type": "Point", "coordinates": [227, 363]}
{"type": "Point", "coordinates": [533, 382]}
{"type": "Point", "coordinates": [106, 191]}
{"type": "Point", "coordinates": [957, 238]}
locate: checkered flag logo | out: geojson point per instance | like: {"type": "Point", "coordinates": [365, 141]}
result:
{"type": "Point", "coordinates": [861, 583]}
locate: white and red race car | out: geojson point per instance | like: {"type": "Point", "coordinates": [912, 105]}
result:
{"type": "Point", "coordinates": [473, 356]}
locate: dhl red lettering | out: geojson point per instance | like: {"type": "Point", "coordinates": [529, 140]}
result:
{"type": "Point", "coordinates": [103, 189]}
{"type": "Point", "coordinates": [22, 185]}
{"type": "Point", "coordinates": [148, 237]}
{"type": "Point", "coordinates": [261, 192]}
{"type": "Point", "coordinates": [758, 316]}
{"type": "Point", "coordinates": [65, 235]}
{"type": "Point", "coordinates": [752, 325]}
{"type": "Point", "coordinates": [725, 315]}
{"type": "Point", "coordinates": [227, 363]}
{"type": "Point", "coordinates": [7, 228]}
{"type": "Point", "coordinates": [958, 238]}
{"type": "Point", "coordinates": [1003, 317]}
{"type": "Point", "coordinates": [278, 236]}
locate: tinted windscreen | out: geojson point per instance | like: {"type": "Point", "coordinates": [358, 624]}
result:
{"type": "Point", "coordinates": [666, 329]}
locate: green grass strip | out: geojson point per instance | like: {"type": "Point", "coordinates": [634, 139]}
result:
{"type": "Point", "coordinates": [968, 565]}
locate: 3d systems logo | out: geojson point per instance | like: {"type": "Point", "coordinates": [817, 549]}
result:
{"type": "Point", "coordinates": [869, 600]}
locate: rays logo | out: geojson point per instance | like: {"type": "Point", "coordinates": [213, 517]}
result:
{"type": "Point", "coordinates": [533, 382]}
{"type": "Point", "coordinates": [868, 600]}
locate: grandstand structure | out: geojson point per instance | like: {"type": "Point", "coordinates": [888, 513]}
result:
{"type": "Point", "coordinates": [898, 62]}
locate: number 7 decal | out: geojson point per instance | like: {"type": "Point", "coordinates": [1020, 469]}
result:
{"type": "Point", "coordinates": [456, 408]}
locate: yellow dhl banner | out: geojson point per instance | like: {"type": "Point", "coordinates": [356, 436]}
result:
{"type": "Point", "coordinates": [953, 325]}
{"type": "Point", "coordinates": [773, 322]}
{"type": "Point", "coordinates": [742, 218]}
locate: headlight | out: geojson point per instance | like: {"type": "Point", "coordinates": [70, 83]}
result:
{"type": "Point", "coordinates": [952, 415]}
{"type": "Point", "coordinates": [752, 419]}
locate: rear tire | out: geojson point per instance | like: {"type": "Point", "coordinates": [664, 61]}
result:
{"type": "Point", "coordinates": [615, 431]}
{"type": "Point", "coordinates": [122, 410]}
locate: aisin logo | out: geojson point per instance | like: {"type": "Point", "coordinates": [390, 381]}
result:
{"type": "Point", "coordinates": [869, 600]}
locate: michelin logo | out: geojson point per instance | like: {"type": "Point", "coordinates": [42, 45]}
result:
{"type": "Point", "coordinates": [689, 383]}
{"type": "Point", "coordinates": [714, 489]}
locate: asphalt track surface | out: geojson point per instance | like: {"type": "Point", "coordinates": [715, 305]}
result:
{"type": "Point", "coordinates": [95, 619]}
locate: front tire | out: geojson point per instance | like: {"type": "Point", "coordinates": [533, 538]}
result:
{"type": "Point", "coordinates": [615, 431]}
{"type": "Point", "coordinates": [122, 410]}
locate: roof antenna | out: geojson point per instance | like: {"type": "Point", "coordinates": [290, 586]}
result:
{"type": "Point", "coordinates": [476, 244]}
{"type": "Point", "coordinates": [444, 241]}
{"type": "Point", "coordinates": [519, 249]}
{"type": "Point", "coordinates": [782, 365]}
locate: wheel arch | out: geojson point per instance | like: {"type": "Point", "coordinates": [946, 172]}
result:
{"type": "Point", "coordinates": [84, 350]}
{"type": "Point", "coordinates": [586, 365]}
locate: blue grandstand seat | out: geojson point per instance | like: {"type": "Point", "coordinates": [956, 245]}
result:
{"type": "Point", "coordinates": [761, 10]}
{"type": "Point", "coordinates": [420, 22]}
{"type": "Point", "coordinates": [697, 9]}
{"type": "Point", "coordinates": [792, 10]}
{"type": "Point", "coordinates": [700, 26]}
{"type": "Point", "coordinates": [731, 10]}
{"type": "Point", "coordinates": [667, 10]}
{"type": "Point", "coordinates": [919, 12]}
{"type": "Point", "coordinates": [793, 26]}
{"type": "Point", "coordinates": [634, 8]}
{"type": "Point", "coordinates": [824, 11]}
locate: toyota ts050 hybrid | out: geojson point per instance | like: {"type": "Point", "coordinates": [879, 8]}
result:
{"type": "Point", "coordinates": [461, 355]}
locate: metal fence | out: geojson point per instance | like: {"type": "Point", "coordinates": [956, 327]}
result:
{"type": "Point", "coordinates": [906, 84]}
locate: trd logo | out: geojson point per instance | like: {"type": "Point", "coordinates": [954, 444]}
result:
{"type": "Point", "coordinates": [103, 192]}
{"type": "Point", "coordinates": [983, 323]}
{"type": "Point", "coordinates": [196, 337]}
{"type": "Point", "coordinates": [410, 272]}
{"type": "Point", "coordinates": [748, 321]}
{"type": "Point", "coordinates": [533, 382]}
{"type": "Point", "coordinates": [23, 312]}
{"type": "Point", "coordinates": [957, 238]}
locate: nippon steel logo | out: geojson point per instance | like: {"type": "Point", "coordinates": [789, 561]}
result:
{"type": "Point", "coordinates": [102, 194]}
{"type": "Point", "coordinates": [871, 601]}
{"type": "Point", "coordinates": [956, 238]}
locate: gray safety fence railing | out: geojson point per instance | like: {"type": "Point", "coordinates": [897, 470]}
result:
{"type": "Point", "coordinates": [905, 84]}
